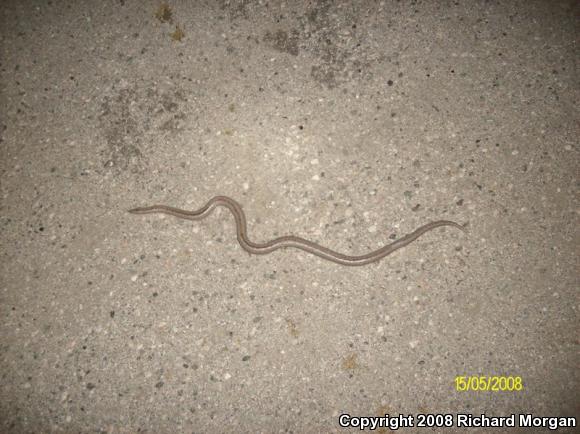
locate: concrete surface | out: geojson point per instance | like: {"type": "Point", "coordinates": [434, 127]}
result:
{"type": "Point", "coordinates": [349, 123]}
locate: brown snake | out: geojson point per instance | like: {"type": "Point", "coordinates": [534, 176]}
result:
{"type": "Point", "coordinates": [290, 240]}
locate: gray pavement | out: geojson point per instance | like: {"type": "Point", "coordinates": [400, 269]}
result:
{"type": "Point", "coordinates": [348, 123]}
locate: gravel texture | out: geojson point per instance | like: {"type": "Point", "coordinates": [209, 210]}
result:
{"type": "Point", "coordinates": [348, 123]}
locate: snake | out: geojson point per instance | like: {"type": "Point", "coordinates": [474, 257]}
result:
{"type": "Point", "coordinates": [290, 241]}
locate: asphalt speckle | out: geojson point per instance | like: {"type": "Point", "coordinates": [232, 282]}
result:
{"type": "Point", "coordinates": [347, 123]}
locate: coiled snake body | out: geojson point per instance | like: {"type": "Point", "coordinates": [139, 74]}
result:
{"type": "Point", "coordinates": [290, 240]}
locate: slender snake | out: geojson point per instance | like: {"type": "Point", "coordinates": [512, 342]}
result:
{"type": "Point", "coordinates": [290, 240]}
